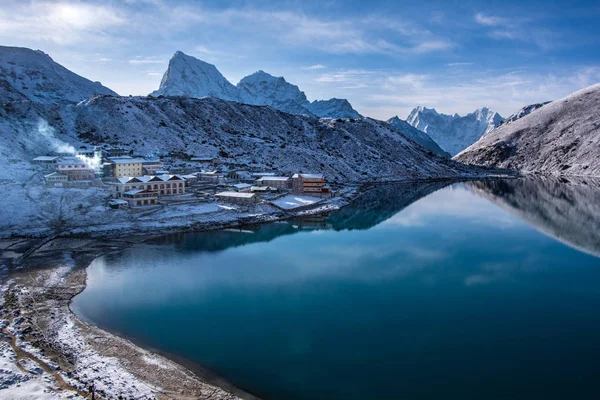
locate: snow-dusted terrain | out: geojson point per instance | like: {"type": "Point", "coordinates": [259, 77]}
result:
{"type": "Point", "coordinates": [417, 135]}
{"type": "Point", "coordinates": [454, 133]}
{"type": "Point", "coordinates": [562, 137]}
{"type": "Point", "coordinates": [34, 75]}
{"type": "Point", "coordinates": [523, 112]}
{"type": "Point", "coordinates": [188, 76]}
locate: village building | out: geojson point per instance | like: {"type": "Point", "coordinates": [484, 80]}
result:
{"type": "Point", "coordinates": [241, 187]}
{"type": "Point", "coordinates": [56, 179]}
{"type": "Point", "coordinates": [262, 189]}
{"type": "Point", "coordinates": [310, 183]}
{"type": "Point", "coordinates": [90, 152]}
{"type": "Point", "coordinates": [241, 176]}
{"type": "Point", "coordinates": [75, 168]}
{"type": "Point", "coordinates": [241, 198]}
{"type": "Point", "coordinates": [257, 175]}
{"type": "Point", "coordinates": [140, 197]}
{"type": "Point", "coordinates": [46, 161]}
{"type": "Point", "coordinates": [162, 185]}
{"type": "Point", "coordinates": [279, 182]}
{"type": "Point", "coordinates": [190, 179]}
{"type": "Point", "coordinates": [152, 167]}
{"type": "Point", "coordinates": [127, 166]}
{"type": "Point", "coordinates": [210, 176]}
{"type": "Point", "coordinates": [117, 203]}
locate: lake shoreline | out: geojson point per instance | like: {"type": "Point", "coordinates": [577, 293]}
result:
{"type": "Point", "coordinates": [54, 270]}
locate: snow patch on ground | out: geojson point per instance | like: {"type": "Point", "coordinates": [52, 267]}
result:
{"type": "Point", "coordinates": [292, 201]}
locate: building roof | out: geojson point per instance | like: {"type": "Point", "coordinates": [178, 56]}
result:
{"type": "Point", "coordinates": [55, 174]}
{"type": "Point", "coordinates": [128, 160]}
{"type": "Point", "coordinates": [149, 162]}
{"type": "Point", "coordinates": [261, 188]}
{"type": "Point", "coordinates": [46, 158]}
{"type": "Point", "coordinates": [312, 176]}
{"type": "Point", "coordinates": [273, 178]}
{"type": "Point", "coordinates": [150, 178]}
{"type": "Point", "coordinates": [241, 185]}
{"type": "Point", "coordinates": [263, 173]}
{"type": "Point", "coordinates": [132, 192]}
{"type": "Point", "coordinates": [117, 201]}
{"type": "Point", "coordinates": [245, 195]}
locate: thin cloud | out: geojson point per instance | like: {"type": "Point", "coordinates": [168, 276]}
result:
{"type": "Point", "coordinates": [315, 67]}
{"type": "Point", "coordinates": [459, 64]}
{"type": "Point", "coordinates": [489, 20]}
{"type": "Point", "coordinates": [139, 60]}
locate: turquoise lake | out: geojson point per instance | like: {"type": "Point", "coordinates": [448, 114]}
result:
{"type": "Point", "coordinates": [479, 290]}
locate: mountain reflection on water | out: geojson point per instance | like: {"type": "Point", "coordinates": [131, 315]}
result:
{"type": "Point", "coordinates": [365, 212]}
{"type": "Point", "coordinates": [568, 209]}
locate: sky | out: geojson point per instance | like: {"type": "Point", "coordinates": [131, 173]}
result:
{"type": "Point", "coordinates": [385, 57]}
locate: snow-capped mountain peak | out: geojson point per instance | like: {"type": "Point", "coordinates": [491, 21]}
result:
{"type": "Point", "coordinates": [262, 88]}
{"type": "Point", "coordinates": [191, 77]}
{"type": "Point", "coordinates": [454, 133]}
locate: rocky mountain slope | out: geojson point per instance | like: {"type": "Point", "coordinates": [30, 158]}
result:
{"type": "Point", "coordinates": [35, 76]}
{"type": "Point", "coordinates": [454, 133]}
{"type": "Point", "coordinates": [418, 136]}
{"type": "Point", "coordinates": [255, 136]}
{"type": "Point", "coordinates": [523, 112]}
{"type": "Point", "coordinates": [562, 137]}
{"type": "Point", "coordinates": [188, 76]}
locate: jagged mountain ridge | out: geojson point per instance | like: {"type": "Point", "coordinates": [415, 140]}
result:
{"type": "Point", "coordinates": [454, 133]}
{"type": "Point", "coordinates": [417, 135]}
{"type": "Point", "coordinates": [191, 77]}
{"type": "Point", "coordinates": [32, 74]}
{"type": "Point", "coordinates": [561, 138]}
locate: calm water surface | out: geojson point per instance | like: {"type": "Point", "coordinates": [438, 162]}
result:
{"type": "Point", "coordinates": [479, 290]}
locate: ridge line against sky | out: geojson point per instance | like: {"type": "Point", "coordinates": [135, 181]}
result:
{"type": "Point", "coordinates": [385, 57]}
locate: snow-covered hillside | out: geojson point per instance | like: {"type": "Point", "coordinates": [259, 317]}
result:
{"type": "Point", "coordinates": [190, 77]}
{"type": "Point", "coordinates": [523, 112]}
{"type": "Point", "coordinates": [562, 137]}
{"type": "Point", "coordinates": [418, 136]}
{"type": "Point", "coordinates": [454, 133]}
{"type": "Point", "coordinates": [34, 75]}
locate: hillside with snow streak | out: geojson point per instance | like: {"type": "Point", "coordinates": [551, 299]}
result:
{"type": "Point", "coordinates": [560, 138]}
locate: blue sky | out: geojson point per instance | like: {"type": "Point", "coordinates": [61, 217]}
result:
{"type": "Point", "coordinates": [386, 57]}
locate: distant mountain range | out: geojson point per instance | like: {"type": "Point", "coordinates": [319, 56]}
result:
{"type": "Point", "coordinates": [190, 77]}
{"type": "Point", "coordinates": [454, 133]}
{"type": "Point", "coordinates": [561, 137]}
